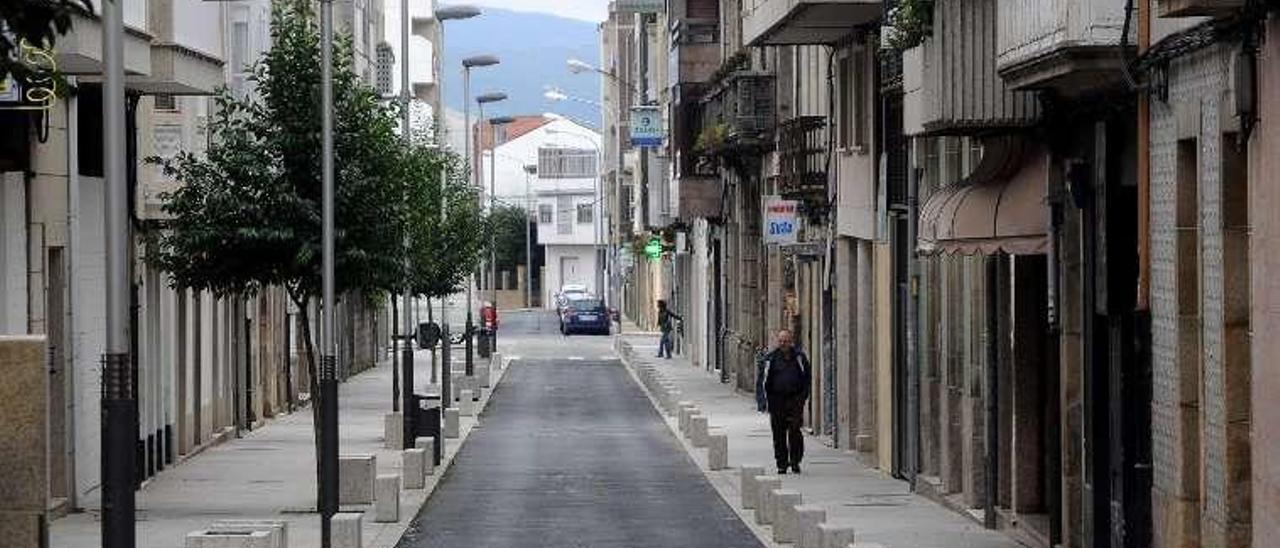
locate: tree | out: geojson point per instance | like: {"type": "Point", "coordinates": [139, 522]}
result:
{"type": "Point", "coordinates": [510, 224]}
{"type": "Point", "coordinates": [445, 245]}
{"type": "Point", "coordinates": [248, 214]}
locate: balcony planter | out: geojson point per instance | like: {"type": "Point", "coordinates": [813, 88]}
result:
{"type": "Point", "coordinates": [909, 24]}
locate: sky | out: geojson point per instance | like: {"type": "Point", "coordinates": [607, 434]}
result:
{"type": "Point", "coordinates": [586, 10]}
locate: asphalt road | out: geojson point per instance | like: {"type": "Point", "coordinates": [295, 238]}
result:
{"type": "Point", "coordinates": [571, 454]}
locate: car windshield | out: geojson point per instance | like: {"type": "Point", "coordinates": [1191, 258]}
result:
{"type": "Point", "coordinates": [586, 304]}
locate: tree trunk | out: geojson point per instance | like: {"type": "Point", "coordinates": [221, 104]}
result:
{"type": "Point", "coordinates": [313, 375]}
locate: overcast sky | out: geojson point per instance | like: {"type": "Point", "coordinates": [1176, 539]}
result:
{"type": "Point", "coordinates": [586, 10]}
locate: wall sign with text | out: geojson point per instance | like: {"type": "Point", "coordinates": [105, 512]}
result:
{"type": "Point", "coordinates": [646, 127]}
{"type": "Point", "coordinates": [781, 220]}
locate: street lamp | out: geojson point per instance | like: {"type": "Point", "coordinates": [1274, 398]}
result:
{"type": "Point", "coordinates": [599, 207]}
{"type": "Point", "coordinates": [601, 256]}
{"type": "Point", "coordinates": [328, 360]}
{"type": "Point", "coordinates": [493, 252]}
{"type": "Point", "coordinates": [467, 64]}
{"type": "Point", "coordinates": [529, 171]}
{"type": "Point", "coordinates": [577, 66]}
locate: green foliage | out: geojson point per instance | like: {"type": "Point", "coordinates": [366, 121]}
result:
{"type": "Point", "coordinates": [37, 23]}
{"type": "Point", "coordinates": [712, 137]}
{"type": "Point", "coordinates": [248, 214]}
{"type": "Point", "coordinates": [509, 224]}
{"type": "Point", "coordinates": [445, 244]}
{"type": "Point", "coordinates": [910, 23]}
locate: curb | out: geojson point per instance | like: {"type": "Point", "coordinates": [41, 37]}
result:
{"type": "Point", "coordinates": [721, 480]}
{"type": "Point", "coordinates": [390, 536]}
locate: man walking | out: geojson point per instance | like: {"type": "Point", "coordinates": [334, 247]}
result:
{"type": "Point", "coordinates": [786, 387]}
{"type": "Point", "coordinates": [665, 324]}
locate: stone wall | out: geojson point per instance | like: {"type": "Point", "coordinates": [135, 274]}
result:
{"type": "Point", "coordinates": [24, 400]}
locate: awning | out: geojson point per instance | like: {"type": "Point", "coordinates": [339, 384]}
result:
{"type": "Point", "coordinates": [1004, 214]}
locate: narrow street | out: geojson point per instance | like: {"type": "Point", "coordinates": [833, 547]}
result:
{"type": "Point", "coordinates": [571, 453]}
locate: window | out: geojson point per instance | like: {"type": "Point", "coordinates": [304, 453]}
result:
{"type": "Point", "coordinates": [166, 102]}
{"type": "Point", "coordinates": [851, 72]}
{"type": "Point", "coordinates": [240, 46]}
{"type": "Point", "coordinates": [544, 214]}
{"type": "Point", "coordinates": [564, 222]}
{"type": "Point", "coordinates": [585, 213]}
{"type": "Point", "coordinates": [566, 163]}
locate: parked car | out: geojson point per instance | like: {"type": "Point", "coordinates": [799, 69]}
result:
{"type": "Point", "coordinates": [585, 315]}
{"type": "Point", "coordinates": [567, 292]}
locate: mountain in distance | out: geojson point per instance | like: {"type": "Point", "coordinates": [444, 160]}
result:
{"type": "Point", "coordinates": [533, 48]}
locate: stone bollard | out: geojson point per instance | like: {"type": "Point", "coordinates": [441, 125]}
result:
{"type": "Point", "coordinates": [784, 503]}
{"type": "Point", "coordinates": [808, 518]}
{"type": "Point", "coordinates": [356, 475]}
{"type": "Point", "coordinates": [451, 423]}
{"type": "Point", "coordinates": [717, 451]}
{"type": "Point", "coordinates": [228, 539]}
{"type": "Point", "coordinates": [466, 407]}
{"type": "Point", "coordinates": [747, 485]}
{"type": "Point", "coordinates": [483, 376]}
{"type": "Point", "coordinates": [698, 430]}
{"type": "Point", "coordinates": [835, 536]}
{"type": "Point", "coordinates": [787, 527]}
{"type": "Point", "coordinates": [278, 530]}
{"type": "Point", "coordinates": [393, 430]}
{"type": "Point", "coordinates": [764, 488]}
{"type": "Point", "coordinates": [413, 464]}
{"type": "Point", "coordinates": [686, 410]}
{"type": "Point", "coordinates": [495, 363]}
{"type": "Point", "coordinates": [428, 444]}
{"type": "Point", "coordinates": [346, 529]}
{"type": "Point", "coordinates": [386, 507]}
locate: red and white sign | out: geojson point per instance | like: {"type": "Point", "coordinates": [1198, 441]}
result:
{"type": "Point", "coordinates": [781, 220]}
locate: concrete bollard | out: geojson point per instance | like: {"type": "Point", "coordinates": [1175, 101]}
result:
{"type": "Point", "coordinates": [466, 407]}
{"type": "Point", "coordinates": [686, 410]}
{"type": "Point", "coordinates": [228, 539]}
{"type": "Point", "coordinates": [495, 362]}
{"type": "Point", "coordinates": [835, 536]}
{"type": "Point", "coordinates": [787, 527]}
{"type": "Point", "coordinates": [783, 505]}
{"type": "Point", "coordinates": [808, 518]}
{"type": "Point", "coordinates": [346, 529]}
{"type": "Point", "coordinates": [413, 464]}
{"type": "Point", "coordinates": [698, 430]}
{"type": "Point", "coordinates": [717, 451]}
{"type": "Point", "coordinates": [747, 485]}
{"type": "Point", "coordinates": [386, 506]}
{"type": "Point", "coordinates": [393, 430]}
{"type": "Point", "coordinates": [484, 376]}
{"type": "Point", "coordinates": [429, 445]}
{"type": "Point", "coordinates": [451, 423]}
{"type": "Point", "coordinates": [278, 530]}
{"type": "Point", "coordinates": [764, 488]}
{"type": "Point", "coordinates": [356, 475]}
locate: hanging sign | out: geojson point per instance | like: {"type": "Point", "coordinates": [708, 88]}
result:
{"type": "Point", "coordinates": [654, 248]}
{"type": "Point", "coordinates": [646, 127]}
{"type": "Point", "coordinates": [781, 222]}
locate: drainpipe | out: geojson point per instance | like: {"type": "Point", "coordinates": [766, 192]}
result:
{"type": "Point", "coordinates": [912, 344]}
{"type": "Point", "coordinates": [991, 395]}
{"type": "Point", "coordinates": [1144, 167]}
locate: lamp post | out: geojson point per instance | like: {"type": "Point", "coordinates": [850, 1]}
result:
{"type": "Point", "coordinates": [597, 243]}
{"type": "Point", "coordinates": [529, 171]}
{"type": "Point", "coordinates": [467, 65]}
{"type": "Point", "coordinates": [119, 404]}
{"type": "Point", "coordinates": [493, 252]}
{"type": "Point", "coordinates": [328, 367]}
{"type": "Point", "coordinates": [578, 67]}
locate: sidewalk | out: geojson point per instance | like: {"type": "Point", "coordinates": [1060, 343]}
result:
{"type": "Point", "coordinates": [270, 474]}
{"type": "Point", "coordinates": [880, 509]}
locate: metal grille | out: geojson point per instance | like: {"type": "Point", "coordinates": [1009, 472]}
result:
{"type": "Point", "coordinates": [802, 166]}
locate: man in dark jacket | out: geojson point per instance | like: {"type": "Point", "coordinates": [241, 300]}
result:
{"type": "Point", "coordinates": [666, 323]}
{"type": "Point", "coordinates": [786, 387]}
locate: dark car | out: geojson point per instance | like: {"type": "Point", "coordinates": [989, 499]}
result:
{"type": "Point", "coordinates": [587, 315]}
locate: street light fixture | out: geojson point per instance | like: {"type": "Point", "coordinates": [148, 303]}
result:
{"type": "Point", "coordinates": [493, 177]}
{"type": "Point", "coordinates": [467, 65]}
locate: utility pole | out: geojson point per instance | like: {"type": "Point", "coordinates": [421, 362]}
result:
{"type": "Point", "coordinates": [328, 365]}
{"type": "Point", "coordinates": [119, 402]}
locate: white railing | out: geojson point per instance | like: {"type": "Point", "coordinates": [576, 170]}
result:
{"type": "Point", "coordinates": [1031, 29]}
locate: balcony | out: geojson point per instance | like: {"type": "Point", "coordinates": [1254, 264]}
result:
{"type": "Point", "coordinates": [1194, 8]}
{"type": "Point", "coordinates": [793, 22]}
{"type": "Point", "coordinates": [186, 52]}
{"type": "Point", "coordinates": [80, 52]}
{"type": "Point", "coordinates": [802, 159]}
{"type": "Point", "coordinates": [950, 81]}
{"type": "Point", "coordinates": [738, 115]}
{"type": "Point", "coordinates": [1069, 46]}
{"type": "Point", "coordinates": [695, 50]}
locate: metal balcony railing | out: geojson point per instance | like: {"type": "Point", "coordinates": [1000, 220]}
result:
{"type": "Point", "coordinates": [739, 114]}
{"type": "Point", "coordinates": [802, 158]}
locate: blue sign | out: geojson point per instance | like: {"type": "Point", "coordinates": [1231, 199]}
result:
{"type": "Point", "coordinates": [646, 127]}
